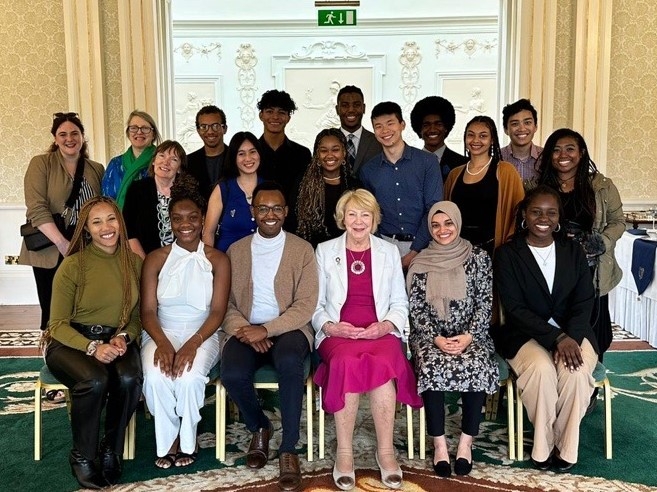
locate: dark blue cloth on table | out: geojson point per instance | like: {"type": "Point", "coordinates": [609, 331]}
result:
{"type": "Point", "coordinates": [638, 232]}
{"type": "Point", "coordinates": [643, 263]}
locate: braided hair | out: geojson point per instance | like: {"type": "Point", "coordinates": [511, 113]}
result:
{"type": "Point", "coordinates": [311, 203]}
{"type": "Point", "coordinates": [130, 272]}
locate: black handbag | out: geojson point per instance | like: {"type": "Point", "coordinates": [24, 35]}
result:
{"type": "Point", "coordinates": [35, 240]}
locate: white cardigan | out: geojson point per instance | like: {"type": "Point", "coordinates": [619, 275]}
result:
{"type": "Point", "coordinates": [389, 287]}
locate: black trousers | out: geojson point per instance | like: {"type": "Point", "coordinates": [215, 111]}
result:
{"type": "Point", "coordinates": [43, 278]}
{"type": "Point", "coordinates": [94, 385]}
{"type": "Point", "coordinates": [434, 407]}
{"type": "Point", "coordinates": [239, 362]}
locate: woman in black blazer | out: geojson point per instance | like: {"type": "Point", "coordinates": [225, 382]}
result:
{"type": "Point", "coordinates": [545, 288]}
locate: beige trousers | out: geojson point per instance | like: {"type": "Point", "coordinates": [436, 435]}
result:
{"type": "Point", "coordinates": [555, 399]}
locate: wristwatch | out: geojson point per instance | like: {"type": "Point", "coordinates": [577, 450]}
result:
{"type": "Point", "coordinates": [125, 336]}
{"type": "Point", "coordinates": [93, 345]}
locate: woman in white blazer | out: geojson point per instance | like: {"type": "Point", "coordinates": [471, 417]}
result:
{"type": "Point", "coordinates": [359, 320]}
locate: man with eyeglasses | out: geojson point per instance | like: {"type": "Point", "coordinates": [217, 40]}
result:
{"type": "Point", "coordinates": [282, 160]}
{"type": "Point", "coordinates": [206, 163]}
{"type": "Point", "coordinates": [273, 294]}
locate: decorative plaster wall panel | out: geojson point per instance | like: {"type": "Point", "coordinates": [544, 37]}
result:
{"type": "Point", "coordinates": [472, 94]}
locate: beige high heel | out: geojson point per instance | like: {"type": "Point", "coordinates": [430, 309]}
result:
{"type": "Point", "coordinates": [344, 481]}
{"type": "Point", "coordinates": [391, 479]}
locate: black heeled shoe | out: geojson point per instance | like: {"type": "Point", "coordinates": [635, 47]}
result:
{"type": "Point", "coordinates": [85, 471]}
{"type": "Point", "coordinates": [111, 465]}
{"type": "Point", "coordinates": [462, 466]}
{"type": "Point", "coordinates": [559, 464]}
{"type": "Point", "coordinates": [542, 465]}
{"type": "Point", "coordinates": [443, 469]}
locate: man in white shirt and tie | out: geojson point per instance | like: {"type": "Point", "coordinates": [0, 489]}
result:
{"type": "Point", "coordinates": [362, 145]}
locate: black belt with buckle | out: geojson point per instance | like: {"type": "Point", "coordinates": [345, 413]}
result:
{"type": "Point", "coordinates": [95, 332]}
{"type": "Point", "coordinates": [401, 237]}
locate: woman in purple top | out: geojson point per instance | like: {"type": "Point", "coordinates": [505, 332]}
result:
{"type": "Point", "coordinates": [359, 320]}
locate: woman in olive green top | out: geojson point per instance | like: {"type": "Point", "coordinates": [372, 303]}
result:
{"type": "Point", "coordinates": [91, 339]}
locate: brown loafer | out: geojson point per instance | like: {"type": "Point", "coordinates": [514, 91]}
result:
{"type": "Point", "coordinates": [258, 453]}
{"type": "Point", "coordinates": [290, 473]}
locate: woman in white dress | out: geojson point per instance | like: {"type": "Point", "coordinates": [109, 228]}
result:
{"type": "Point", "coordinates": [184, 293]}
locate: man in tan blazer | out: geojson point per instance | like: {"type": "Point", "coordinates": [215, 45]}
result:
{"type": "Point", "coordinates": [272, 299]}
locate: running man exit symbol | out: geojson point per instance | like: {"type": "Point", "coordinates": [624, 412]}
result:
{"type": "Point", "coordinates": [335, 18]}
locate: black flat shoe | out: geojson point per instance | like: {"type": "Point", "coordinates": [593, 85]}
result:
{"type": "Point", "coordinates": [111, 465]}
{"type": "Point", "coordinates": [542, 465]}
{"type": "Point", "coordinates": [85, 471]}
{"type": "Point", "coordinates": [560, 465]}
{"type": "Point", "coordinates": [462, 466]}
{"type": "Point", "coordinates": [443, 469]}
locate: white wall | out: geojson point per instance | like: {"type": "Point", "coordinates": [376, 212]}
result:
{"type": "Point", "coordinates": [305, 9]}
{"type": "Point", "coordinates": [16, 281]}
{"type": "Point", "coordinates": [230, 57]}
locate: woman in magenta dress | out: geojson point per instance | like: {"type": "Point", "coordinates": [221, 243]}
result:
{"type": "Point", "coordinates": [359, 321]}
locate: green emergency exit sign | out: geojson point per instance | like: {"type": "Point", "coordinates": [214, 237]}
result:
{"type": "Point", "coordinates": [334, 18]}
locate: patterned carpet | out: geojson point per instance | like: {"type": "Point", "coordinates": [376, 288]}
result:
{"type": "Point", "coordinates": [492, 469]}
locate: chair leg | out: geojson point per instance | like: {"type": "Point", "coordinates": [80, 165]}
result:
{"type": "Point", "coordinates": [492, 404]}
{"type": "Point", "coordinates": [37, 420]}
{"type": "Point", "coordinates": [519, 427]}
{"type": "Point", "coordinates": [423, 434]}
{"type": "Point", "coordinates": [221, 422]}
{"type": "Point", "coordinates": [409, 431]}
{"type": "Point", "coordinates": [510, 417]}
{"type": "Point", "coordinates": [321, 429]}
{"type": "Point", "coordinates": [608, 440]}
{"type": "Point", "coordinates": [309, 416]}
{"type": "Point", "coordinates": [129, 441]}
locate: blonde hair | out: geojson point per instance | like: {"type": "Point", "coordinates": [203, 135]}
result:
{"type": "Point", "coordinates": [81, 239]}
{"type": "Point", "coordinates": [360, 198]}
{"type": "Point", "coordinates": [149, 119]}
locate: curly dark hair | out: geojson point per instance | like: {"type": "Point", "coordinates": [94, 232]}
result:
{"type": "Point", "coordinates": [433, 105]}
{"type": "Point", "coordinates": [311, 206]}
{"type": "Point", "coordinates": [277, 99]}
{"type": "Point", "coordinates": [583, 192]}
{"type": "Point", "coordinates": [185, 187]}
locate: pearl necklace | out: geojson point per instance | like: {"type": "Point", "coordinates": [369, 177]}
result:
{"type": "Point", "coordinates": [545, 258]}
{"type": "Point", "coordinates": [337, 178]}
{"type": "Point", "coordinates": [467, 167]}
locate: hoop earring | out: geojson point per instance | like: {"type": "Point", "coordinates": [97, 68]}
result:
{"type": "Point", "coordinates": [558, 227]}
{"type": "Point", "coordinates": [523, 224]}
{"type": "Point", "coordinates": [343, 163]}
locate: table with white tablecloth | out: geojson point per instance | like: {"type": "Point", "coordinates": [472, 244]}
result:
{"type": "Point", "coordinates": [633, 312]}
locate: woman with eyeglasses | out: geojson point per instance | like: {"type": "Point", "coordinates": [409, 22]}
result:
{"type": "Point", "coordinates": [56, 185]}
{"type": "Point", "coordinates": [146, 208]}
{"type": "Point", "coordinates": [229, 216]}
{"type": "Point", "coordinates": [132, 165]}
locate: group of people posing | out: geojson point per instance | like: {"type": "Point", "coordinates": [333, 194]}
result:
{"type": "Point", "coordinates": [259, 252]}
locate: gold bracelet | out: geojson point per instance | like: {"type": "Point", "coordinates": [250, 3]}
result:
{"type": "Point", "coordinates": [200, 336]}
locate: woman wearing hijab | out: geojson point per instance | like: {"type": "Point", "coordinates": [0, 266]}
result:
{"type": "Point", "coordinates": [450, 285]}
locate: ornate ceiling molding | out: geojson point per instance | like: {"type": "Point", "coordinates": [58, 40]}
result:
{"type": "Point", "coordinates": [469, 46]}
{"type": "Point", "coordinates": [188, 50]}
{"type": "Point", "coordinates": [329, 50]}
